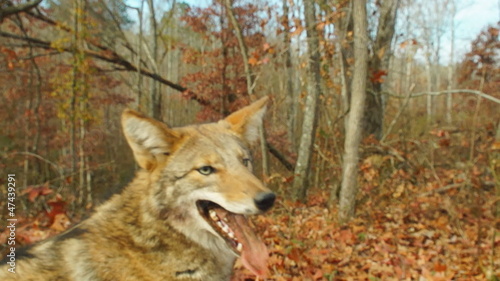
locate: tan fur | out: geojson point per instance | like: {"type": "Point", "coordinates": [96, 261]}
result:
{"type": "Point", "coordinates": [152, 230]}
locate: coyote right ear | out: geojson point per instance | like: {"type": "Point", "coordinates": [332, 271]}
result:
{"type": "Point", "coordinates": [147, 138]}
{"type": "Point", "coordinates": [247, 120]}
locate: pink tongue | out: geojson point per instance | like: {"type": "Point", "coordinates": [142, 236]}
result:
{"type": "Point", "coordinates": [254, 254]}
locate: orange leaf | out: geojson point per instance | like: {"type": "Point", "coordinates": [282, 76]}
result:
{"type": "Point", "coordinates": [495, 145]}
{"type": "Point", "coordinates": [439, 267]}
{"type": "Point", "coordinates": [253, 61]}
{"type": "Point", "coordinates": [295, 255]}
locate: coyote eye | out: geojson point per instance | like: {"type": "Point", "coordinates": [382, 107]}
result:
{"type": "Point", "coordinates": [206, 170]}
{"type": "Point", "coordinates": [246, 162]}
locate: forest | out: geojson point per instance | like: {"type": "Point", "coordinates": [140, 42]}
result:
{"type": "Point", "coordinates": [381, 137]}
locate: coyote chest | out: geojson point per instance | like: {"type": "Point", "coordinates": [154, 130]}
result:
{"type": "Point", "coordinates": [183, 217]}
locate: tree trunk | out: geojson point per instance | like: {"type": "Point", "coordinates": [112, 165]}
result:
{"type": "Point", "coordinates": [302, 168]}
{"type": "Point", "coordinates": [250, 82]}
{"type": "Point", "coordinates": [349, 185]}
{"type": "Point", "coordinates": [344, 27]}
{"type": "Point", "coordinates": [155, 98]}
{"type": "Point", "coordinates": [430, 98]}
{"type": "Point", "coordinates": [379, 63]}
{"type": "Point", "coordinates": [76, 72]}
{"type": "Point", "coordinates": [291, 97]}
{"type": "Point", "coordinates": [6, 10]}
{"type": "Point", "coordinates": [142, 104]}
{"type": "Point", "coordinates": [449, 99]}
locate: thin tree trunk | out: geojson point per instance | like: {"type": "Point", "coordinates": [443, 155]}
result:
{"type": "Point", "coordinates": [250, 82]}
{"type": "Point", "coordinates": [141, 103]}
{"type": "Point", "coordinates": [75, 88]}
{"type": "Point", "coordinates": [430, 98]}
{"type": "Point", "coordinates": [155, 98]}
{"type": "Point", "coordinates": [449, 98]}
{"type": "Point", "coordinates": [379, 63]}
{"type": "Point", "coordinates": [225, 89]}
{"type": "Point", "coordinates": [80, 94]}
{"type": "Point", "coordinates": [302, 168]}
{"type": "Point", "coordinates": [354, 132]}
{"type": "Point", "coordinates": [344, 45]}
{"type": "Point", "coordinates": [33, 108]}
{"type": "Point", "coordinates": [243, 46]}
{"type": "Point", "coordinates": [291, 98]}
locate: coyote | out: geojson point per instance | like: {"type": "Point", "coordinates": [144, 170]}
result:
{"type": "Point", "coordinates": [183, 216]}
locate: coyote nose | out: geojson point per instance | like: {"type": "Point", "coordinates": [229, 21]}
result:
{"type": "Point", "coordinates": [264, 200]}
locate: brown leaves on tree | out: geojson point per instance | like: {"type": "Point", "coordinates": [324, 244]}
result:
{"type": "Point", "coordinates": [378, 76]}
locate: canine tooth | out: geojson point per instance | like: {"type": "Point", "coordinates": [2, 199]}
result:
{"type": "Point", "coordinates": [213, 215]}
{"type": "Point", "coordinates": [239, 247]}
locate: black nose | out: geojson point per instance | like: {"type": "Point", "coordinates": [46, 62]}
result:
{"type": "Point", "coordinates": [264, 200]}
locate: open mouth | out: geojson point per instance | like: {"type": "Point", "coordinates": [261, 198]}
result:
{"type": "Point", "coordinates": [218, 218]}
{"type": "Point", "coordinates": [238, 234]}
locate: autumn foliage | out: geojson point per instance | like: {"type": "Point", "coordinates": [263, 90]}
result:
{"type": "Point", "coordinates": [428, 203]}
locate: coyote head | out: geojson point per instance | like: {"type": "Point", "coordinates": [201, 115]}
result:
{"type": "Point", "coordinates": [200, 179]}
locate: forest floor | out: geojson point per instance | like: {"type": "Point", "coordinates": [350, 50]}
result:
{"type": "Point", "coordinates": [425, 211]}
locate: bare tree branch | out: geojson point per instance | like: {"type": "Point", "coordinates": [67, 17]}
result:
{"type": "Point", "coordinates": [112, 57]}
{"type": "Point", "coordinates": [118, 62]}
{"type": "Point", "coordinates": [280, 157]}
{"type": "Point", "coordinates": [7, 8]}
{"type": "Point", "coordinates": [456, 91]}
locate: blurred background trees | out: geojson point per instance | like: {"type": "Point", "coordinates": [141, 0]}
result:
{"type": "Point", "coordinates": [68, 69]}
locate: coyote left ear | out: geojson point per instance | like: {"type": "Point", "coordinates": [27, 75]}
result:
{"type": "Point", "coordinates": [147, 137]}
{"type": "Point", "coordinates": [247, 120]}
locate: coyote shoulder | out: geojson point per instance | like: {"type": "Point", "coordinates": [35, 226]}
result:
{"type": "Point", "coordinates": [183, 217]}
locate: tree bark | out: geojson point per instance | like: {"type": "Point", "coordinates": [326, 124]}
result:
{"type": "Point", "coordinates": [349, 185]}
{"type": "Point", "coordinates": [379, 63]}
{"type": "Point", "coordinates": [11, 9]}
{"type": "Point", "coordinates": [250, 82]}
{"type": "Point", "coordinates": [302, 168]}
{"type": "Point", "coordinates": [243, 46]}
{"type": "Point", "coordinates": [344, 27]}
{"type": "Point", "coordinates": [451, 70]}
{"type": "Point", "coordinates": [291, 97]}
{"type": "Point", "coordinates": [154, 97]}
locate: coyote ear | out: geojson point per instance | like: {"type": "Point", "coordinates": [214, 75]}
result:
{"type": "Point", "coordinates": [246, 121]}
{"type": "Point", "coordinates": [147, 137]}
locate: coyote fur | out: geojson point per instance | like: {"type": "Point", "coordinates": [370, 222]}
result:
{"type": "Point", "coordinates": [183, 216]}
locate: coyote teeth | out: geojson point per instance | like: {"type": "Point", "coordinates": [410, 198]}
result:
{"type": "Point", "coordinates": [239, 247]}
{"type": "Point", "coordinates": [213, 215]}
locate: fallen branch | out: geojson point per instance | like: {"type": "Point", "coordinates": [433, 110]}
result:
{"type": "Point", "coordinates": [441, 189]}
